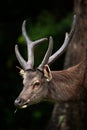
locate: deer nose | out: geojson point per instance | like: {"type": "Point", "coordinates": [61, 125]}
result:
{"type": "Point", "coordinates": [18, 102]}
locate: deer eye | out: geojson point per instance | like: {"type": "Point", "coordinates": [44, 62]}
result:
{"type": "Point", "coordinates": [36, 84]}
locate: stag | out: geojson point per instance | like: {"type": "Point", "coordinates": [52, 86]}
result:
{"type": "Point", "coordinates": [42, 84]}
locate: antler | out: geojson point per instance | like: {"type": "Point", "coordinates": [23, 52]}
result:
{"type": "Point", "coordinates": [30, 46]}
{"type": "Point", "coordinates": [47, 55]}
{"type": "Point", "coordinates": [49, 59]}
{"type": "Point", "coordinates": [67, 40]}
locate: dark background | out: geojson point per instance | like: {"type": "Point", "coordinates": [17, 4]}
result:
{"type": "Point", "coordinates": [44, 18]}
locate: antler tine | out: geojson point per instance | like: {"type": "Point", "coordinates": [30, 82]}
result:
{"type": "Point", "coordinates": [47, 55]}
{"type": "Point", "coordinates": [30, 61]}
{"type": "Point", "coordinates": [24, 33]}
{"type": "Point", "coordinates": [20, 58]}
{"type": "Point", "coordinates": [67, 40]}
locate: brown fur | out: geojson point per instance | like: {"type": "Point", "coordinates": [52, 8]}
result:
{"type": "Point", "coordinates": [68, 83]}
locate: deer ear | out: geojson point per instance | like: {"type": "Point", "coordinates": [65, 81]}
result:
{"type": "Point", "coordinates": [22, 73]}
{"type": "Point", "coordinates": [47, 73]}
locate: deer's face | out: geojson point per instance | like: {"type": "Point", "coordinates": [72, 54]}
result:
{"type": "Point", "coordinates": [34, 87]}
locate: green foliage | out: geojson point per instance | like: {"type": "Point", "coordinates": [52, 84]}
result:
{"type": "Point", "coordinates": [60, 120]}
{"type": "Point", "coordinates": [37, 114]}
{"type": "Point", "coordinates": [47, 25]}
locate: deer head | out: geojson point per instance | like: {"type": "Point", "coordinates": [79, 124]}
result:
{"type": "Point", "coordinates": [38, 81]}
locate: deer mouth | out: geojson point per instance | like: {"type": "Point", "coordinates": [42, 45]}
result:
{"type": "Point", "coordinates": [26, 104]}
{"type": "Point", "coordinates": [20, 103]}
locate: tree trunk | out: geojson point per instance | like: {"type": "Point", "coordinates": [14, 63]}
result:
{"type": "Point", "coordinates": [73, 116]}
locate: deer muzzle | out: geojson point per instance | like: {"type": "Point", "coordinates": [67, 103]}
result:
{"type": "Point", "coordinates": [21, 103]}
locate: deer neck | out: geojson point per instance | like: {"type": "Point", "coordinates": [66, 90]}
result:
{"type": "Point", "coordinates": [66, 85]}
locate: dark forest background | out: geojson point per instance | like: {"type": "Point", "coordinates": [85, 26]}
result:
{"type": "Point", "coordinates": [44, 18]}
